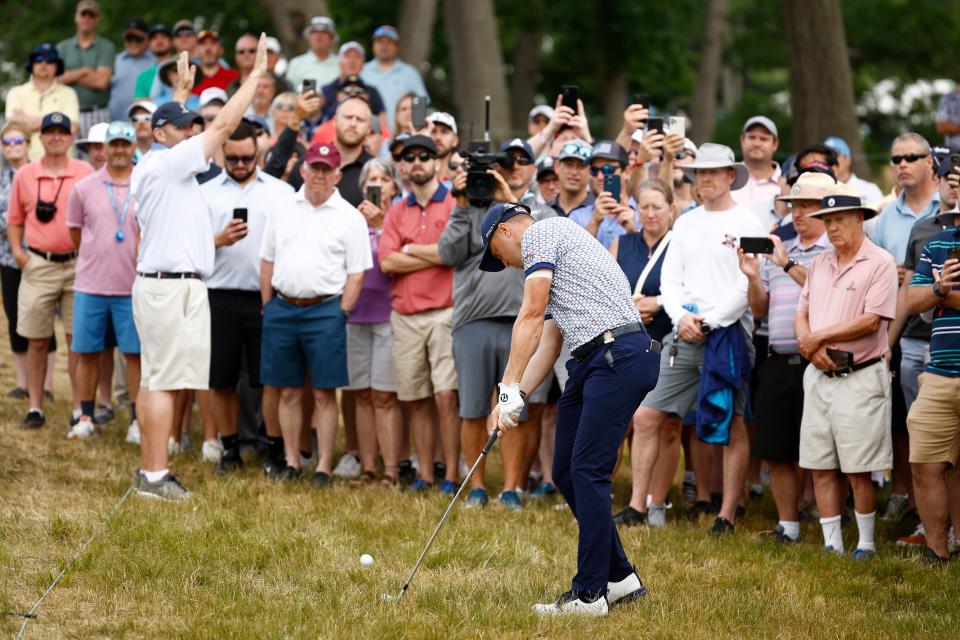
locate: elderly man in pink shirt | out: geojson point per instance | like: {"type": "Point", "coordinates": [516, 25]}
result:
{"type": "Point", "coordinates": [848, 301]}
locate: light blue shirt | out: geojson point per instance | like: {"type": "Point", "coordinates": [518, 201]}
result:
{"type": "Point", "coordinates": [123, 85]}
{"type": "Point", "coordinates": [891, 230]}
{"type": "Point", "coordinates": [609, 228]}
{"type": "Point", "coordinates": [394, 83]}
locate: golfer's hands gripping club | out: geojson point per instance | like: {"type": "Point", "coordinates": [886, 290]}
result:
{"type": "Point", "coordinates": [509, 405]}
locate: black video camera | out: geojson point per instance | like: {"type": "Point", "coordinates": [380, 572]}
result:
{"type": "Point", "coordinates": [477, 162]}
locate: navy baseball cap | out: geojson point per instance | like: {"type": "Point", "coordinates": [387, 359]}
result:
{"type": "Point", "coordinates": [518, 143]}
{"type": "Point", "coordinates": [498, 214]}
{"type": "Point", "coordinates": [420, 142]}
{"type": "Point", "coordinates": [174, 113]}
{"type": "Point", "coordinates": [55, 119]}
{"type": "Point", "coordinates": [45, 52]}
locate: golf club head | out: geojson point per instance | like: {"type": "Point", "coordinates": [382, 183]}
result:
{"type": "Point", "coordinates": [386, 597]}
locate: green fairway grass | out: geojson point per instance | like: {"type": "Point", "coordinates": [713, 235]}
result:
{"type": "Point", "coordinates": [248, 558]}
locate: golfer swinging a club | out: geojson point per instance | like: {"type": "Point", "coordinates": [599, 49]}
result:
{"type": "Point", "coordinates": [575, 288]}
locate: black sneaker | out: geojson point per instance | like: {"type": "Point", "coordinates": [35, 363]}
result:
{"type": "Point", "coordinates": [700, 508]}
{"type": "Point", "coordinates": [321, 480]}
{"type": "Point", "coordinates": [230, 461]}
{"type": "Point", "coordinates": [18, 393]}
{"type": "Point", "coordinates": [439, 472]}
{"type": "Point", "coordinates": [716, 502]}
{"type": "Point", "coordinates": [629, 517]}
{"type": "Point", "coordinates": [287, 473]}
{"type": "Point", "coordinates": [930, 558]}
{"type": "Point", "coordinates": [406, 474]}
{"type": "Point", "coordinates": [33, 420]}
{"type": "Point", "coordinates": [721, 527]}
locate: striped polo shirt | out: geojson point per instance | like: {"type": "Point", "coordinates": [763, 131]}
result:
{"type": "Point", "coordinates": [785, 293]}
{"type": "Point", "coordinates": [945, 338]}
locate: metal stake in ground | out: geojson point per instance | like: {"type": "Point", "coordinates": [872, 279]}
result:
{"type": "Point", "coordinates": [483, 454]}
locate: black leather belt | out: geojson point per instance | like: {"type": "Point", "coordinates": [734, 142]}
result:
{"type": "Point", "coordinates": [171, 275]}
{"type": "Point", "coordinates": [843, 373]}
{"type": "Point", "coordinates": [791, 358]}
{"type": "Point", "coordinates": [306, 302]}
{"type": "Point", "coordinates": [54, 257]}
{"type": "Point", "coordinates": [582, 352]}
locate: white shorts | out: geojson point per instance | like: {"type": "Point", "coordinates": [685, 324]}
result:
{"type": "Point", "coordinates": [846, 421]}
{"type": "Point", "coordinates": [173, 320]}
{"type": "Point", "coordinates": [370, 357]}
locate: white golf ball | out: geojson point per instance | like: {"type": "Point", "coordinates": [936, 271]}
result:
{"type": "Point", "coordinates": [366, 560]}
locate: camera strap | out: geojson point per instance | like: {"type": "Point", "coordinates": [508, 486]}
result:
{"type": "Point", "coordinates": [56, 197]}
{"type": "Point", "coordinates": [120, 215]}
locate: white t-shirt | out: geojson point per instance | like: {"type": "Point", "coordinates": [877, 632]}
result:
{"type": "Point", "coordinates": [701, 267]}
{"type": "Point", "coordinates": [313, 249]}
{"type": "Point", "coordinates": [175, 231]}
{"type": "Point", "coordinates": [237, 266]}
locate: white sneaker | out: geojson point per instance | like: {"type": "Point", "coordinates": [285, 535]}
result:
{"type": "Point", "coordinates": [211, 451]}
{"type": "Point", "coordinates": [627, 590]}
{"type": "Point", "coordinates": [656, 516]}
{"type": "Point", "coordinates": [173, 447]}
{"type": "Point", "coordinates": [569, 604]}
{"type": "Point", "coordinates": [82, 430]}
{"type": "Point", "coordinates": [348, 467]}
{"type": "Point", "coordinates": [133, 433]}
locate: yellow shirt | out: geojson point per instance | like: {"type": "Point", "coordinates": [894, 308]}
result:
{"type": "Point", "coordinates": [26, 97]}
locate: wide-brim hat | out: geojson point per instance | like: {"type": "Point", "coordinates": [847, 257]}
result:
{"type": "Point", "coordinates": [810, 186]}
{"type": "Point", "coordinates": [717, 156]}
{"type": "Point", "coordinates": [843, 199]}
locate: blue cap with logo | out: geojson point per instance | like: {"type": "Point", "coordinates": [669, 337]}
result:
{"type": "Point", "coordinates": [45, 52]}
{"type": "Point", "coordinates": [120, 130]}
{"type": "Point", "coordinates": [839, 145]}
{"type": "Point", "coordinates": [386, 31]}
{"type": "Point", "coordinates": [518, 143]}
{"type": "Point", "coordinates": [497, 215]}
{"type": "Point", "coordinates": [174, 113]}
{"type": "Point", "coordinates": [55, 119]}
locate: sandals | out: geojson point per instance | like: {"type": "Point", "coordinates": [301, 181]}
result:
{"type": "Point", "coordinates": [366, 478]}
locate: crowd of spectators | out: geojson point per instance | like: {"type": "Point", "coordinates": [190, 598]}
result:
{"type": "Point", "coordinates": [327, 248]}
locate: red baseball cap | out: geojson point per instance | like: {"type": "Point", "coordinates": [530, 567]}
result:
{"type": "Point", "coordinates": [328, 154]}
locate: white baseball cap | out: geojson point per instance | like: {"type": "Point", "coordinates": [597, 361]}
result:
{"type": "Point", "coordinates": [96, 134]}
{"type": "Point", "coordinates": [540, 110]}
{"type": "Point", "coordinates": [213, 93]}
{"type": "Point", "coordinates": [321, 23]}
{"type": "Point", "coordinates": [764, 122]}
{"type": "Point", "coordinates": [442, 117]}
{"type": "Point", "coordinates": [353, 45]}
{"type": "Point", "coordinates": [146, 105]}
{"type": "Point", "coordinates": [273, 45]}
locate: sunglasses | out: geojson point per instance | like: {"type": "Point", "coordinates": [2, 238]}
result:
{"type": "Point", "coordinates": [910, 157]}
{"type": "Point", "coordinates": [607, 170]}
{"type": "Point", "coordinates": [43, 59]}
{"type": "Point", "coordinates": [576, 150]}
{"type": "Point", "coordinates": [86, 13]}
{"type": "Point", "coordinates": [284, 107]}
{"type": "Point", "coordinates": [680, 155]}
{"type": "Point", "coordinates": [397, 157]}
{"type": "Point", "coordinates": [141, 117]}
{"type": "Point", "coordinates": [239, 159]}
{"type": "Point", "coordinates": [243, 52]}
{"type": "Point", "coordinates": [453, 165]}
{"type": "Point", "coordinates": [423, 156]}
{"type": "Point", "coordinates": [132, 37]}
{"type": "Point", "coordinates": [8, 142]}
{"type": "Point", "coordinates": [510, 161]}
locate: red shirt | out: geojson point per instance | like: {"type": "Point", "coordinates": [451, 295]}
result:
{"type": "Point", "coordinates": [408, 223]}
{"type": "Point", "coordinates": [32, 180]}
{"type": "Point", "coordinates": [221, 79]}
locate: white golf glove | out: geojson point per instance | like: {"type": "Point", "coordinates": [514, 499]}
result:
{"type": "Point", "coordinates": [510, 403]}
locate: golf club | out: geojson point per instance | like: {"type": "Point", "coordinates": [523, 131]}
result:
{"type": "Point", "coordinates": [386, 597]}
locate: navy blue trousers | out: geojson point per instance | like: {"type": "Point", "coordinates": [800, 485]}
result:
{"type": "Point", "coordinates": [594, 412]}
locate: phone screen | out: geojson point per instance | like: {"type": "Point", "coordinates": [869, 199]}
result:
{"type": "Point", "coordinates": [756, 245]}
{"type": "Point", "coordinates": [240, 213]}
{"type": "Point", "coordinates": [642, 99]}
{"type": "Point", "coordinates": [655, 124]}
{"type": "Point", "coordinates": [373, 195]}
{"type": "Point", "coordinates": [569, 95]}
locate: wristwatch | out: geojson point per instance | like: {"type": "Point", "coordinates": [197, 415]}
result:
{"type": "Point", "coordinates": [940, 293]}
{"type": "Point", "coordinates": [791, 263]}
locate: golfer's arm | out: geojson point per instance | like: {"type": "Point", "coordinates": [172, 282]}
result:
{"type": "Point", "coordinates": [541, 364]}
{"type": "Point", "coordinates": [229, 116]}
{"type": "Point", "coordinates": [528, 328]}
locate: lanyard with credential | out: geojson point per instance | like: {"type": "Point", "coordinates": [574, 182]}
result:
{"type": "Point", "coordinates": [120, 215]}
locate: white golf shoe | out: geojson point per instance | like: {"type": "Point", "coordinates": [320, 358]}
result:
{"type": "Point", "coordinates": [133, 433]}
{"type": "Point", "coordinates": [82, 430]}
{"type": "Point", "coordinates": [570, 604]}
{"type": "Point", "coordinates": [626, 590]}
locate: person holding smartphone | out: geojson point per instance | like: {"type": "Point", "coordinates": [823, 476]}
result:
{"type": "Point", "coordinates": [607, 162]}
{"type": "Point", "coordinates": [847, 303]}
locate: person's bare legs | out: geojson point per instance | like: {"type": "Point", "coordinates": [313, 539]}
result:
{"type": "Point", "coordinates": [421, 424]}
{"type": "Point", "coordinates": [133, 377]}
{"type": "Point", "coordinates": [348, 409]}
{"type": "Point", "coordinates": [902, 482]}
{"type": "Point", "coordinates": [36, 370]}
{"type": "Point", "coordinates": [306, 410]}
{"type": "Point", "coordinates": [271, 411]}
{"type": "Point", "coordinates": [830, 492]}
{"type": "Point", "coordinates": [644, 449]}
{"type": "Point", "coordinates": [366, 429]}
{"type": "Point", "coordinates": [449, 422]}
{"type": "Point", "coordinates": [20, 368]}
{"type": "Point", "coordinates": [785, 485]}
{"type": "Point", "coordinates": [702, 461]}
{"type": "Point", "coordinates": [105, 377]}
{"type": "Point", "coordinates": [291, 423]}
{"type": "Point", "coordinates": [548, 435]}
{"type": "Point", "coordinates": [665, 470]}
{"type": "Point", "coordinates": [73, 361]}
{"type": "Point", "coordinates": [224, 406]}
{"type": "Point", "coordinates": [754, 463]}
{"type": "Point", "coordinates": [736, 458]}
{"type": "Point", "coordinates": [88, 365]}
{"type": "Point", "coordinates": [211, 416]}
{"type": "Point", "coordinates": [953, 496]}
{"type": "Point", "coordinates": [933, 504]}
{"type": "Point", "coordinates": [531, 438]}
{"type": "Point", "coordinates": [51, 367]}
{"type": "Point", "coordinates": [325, 419]}
{"type": "Point", "coordinates": [389, 430]}
{"type": "Point", "coordinates": [473, 435]}
{"type": "Point", "coordinates": [864, 492]}
{"type": "Point", "coordinates": [157, 409]}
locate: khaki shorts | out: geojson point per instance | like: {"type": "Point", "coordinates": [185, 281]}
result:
{"type": "Point", "coordinates": [846, 421]}
{"type": "Point", "coordinates": [173, 320]}
{"type": "Point", "coordinates": [423, 353]}
{"type": "Point", "coordinates": [934, 420]}
{"type": "Point", "coordinates": [44, 286]}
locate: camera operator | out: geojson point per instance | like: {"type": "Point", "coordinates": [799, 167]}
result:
{"type": "Point", "coordinates": [484, 308]}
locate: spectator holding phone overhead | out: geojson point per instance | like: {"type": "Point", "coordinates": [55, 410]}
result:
{"type": "Point", "coordinates": [847, 302]}
{"type": "Point", "coordinates": [568, 122]}
{"type": "Point", "coordinates": [611, 216]}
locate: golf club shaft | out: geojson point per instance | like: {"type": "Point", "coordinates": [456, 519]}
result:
{"type": "Point", "coordinates": [466, 480]}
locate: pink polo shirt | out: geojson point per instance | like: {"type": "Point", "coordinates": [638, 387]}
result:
{"type": "Point", "coordinates": [52, 236]}
{"type": "Point", "coordinates": [866, 285]}
{"type": "Point", "coordinates": [106, 266]}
